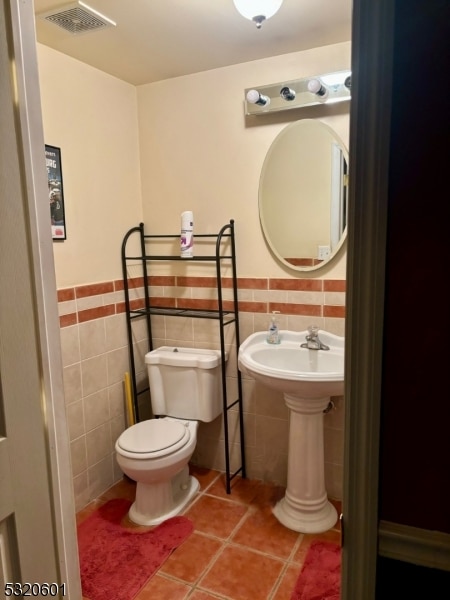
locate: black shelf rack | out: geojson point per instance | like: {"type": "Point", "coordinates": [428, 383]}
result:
{"type": "Point", "coordinates": [224, 253]}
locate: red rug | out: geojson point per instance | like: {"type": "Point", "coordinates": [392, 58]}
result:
{"type": "Point", "coordinates": [116, 562]}
{"type": "Point", "coordinates": [320, 577]}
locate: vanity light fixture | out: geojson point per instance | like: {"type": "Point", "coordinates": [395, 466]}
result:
{"type": "Point", "coordinates": [324, 88]}
{"type": "Point", "coordinates": [254, 97]}
{"type": "Point", "coordinates": [257, 11]}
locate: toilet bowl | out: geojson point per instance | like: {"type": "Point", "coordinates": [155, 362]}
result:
{"type": "Point", "coordinates": [155, 454]}
{"type": "Point", "coordinates": [185, 388]}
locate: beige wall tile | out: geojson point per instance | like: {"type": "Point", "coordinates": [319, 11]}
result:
{"type": "Point", "coordinates": [334, 298]}
{"type": "Point", "coordinates": [100, 477]}
{"type": "Point", "coordinates": [96, 409]}
{"type": "Point", "coordinates": [334, 446]}
{"type": "Point", "coordinates": [80, 491]}
{"type": "Point", "coordinates": [117, 365]}
{"type": "Point", "coordinates": [179, 328]}
{"type": "Point", "coordinates": [72, 383]}
{"type": "Point", "coordinates": [116, 400]}
{"type": "Point", "coordinates": [98, 444]}
{"type": "Point", "coordinates": [92, 338]}
{"type": "Point", "coordinates": [334, 477]}
{"type": "Point", "coordinates": [75, 419]}
{"type": "Point", "coordinates": [66, 308]}
{"type": "Point", "coordinates": [116, 332]}
{"type": "Point", "coordinates": [89, 302]}
{"type": "Point", "coordinates": [78, 455]}
{"type": "Point", "coordinates": [94, 374]}
{"type": "Point", "coordinates": [336, 326]}
{"type": "Point", "coordinates": [70, 345]}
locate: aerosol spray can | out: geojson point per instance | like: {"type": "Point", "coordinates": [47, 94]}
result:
{"type": "Point", "coordinates": [187, 234]}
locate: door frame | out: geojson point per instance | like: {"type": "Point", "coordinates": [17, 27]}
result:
{"type": "Point", "coordinates": [20, 26]}
{"type": "Point", "coordinates": [372, 57]}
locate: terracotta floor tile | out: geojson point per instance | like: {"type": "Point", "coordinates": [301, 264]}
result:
{"type": "Point", "coordinates": [200, 595]}
{"type": "Point", "coordinates": [204, 476]}
{"type": "Point", "coordinates": [190, 560]}
{"type": "Point", "coordinates": [215, 516]}
{"type": "Point", "coordinates": [262, 531]}
{"type": "Point", "coordinates": [126, 488]}
{"type": "Point", "coordinates": [287, 584]}
{"type": "Point", "coordinates": [160, 588]}
{"type": "Point", "coordinates": [242, 490]}
{"type": "Point", "coordinates": [268, 496]}
{"type": "Point", "coordinates": [242, 574]}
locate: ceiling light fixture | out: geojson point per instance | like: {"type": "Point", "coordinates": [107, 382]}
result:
{"type": "Point", "coordinates": [257, 10]}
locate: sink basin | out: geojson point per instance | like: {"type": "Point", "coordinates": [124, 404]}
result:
{"type": "Point", "coordinates": [294, 370]}
{"type": "Point", "coordinates": [307, 379]}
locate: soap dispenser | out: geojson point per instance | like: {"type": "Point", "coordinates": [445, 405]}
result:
{"type": "Point", "coordinates": [273, 335]}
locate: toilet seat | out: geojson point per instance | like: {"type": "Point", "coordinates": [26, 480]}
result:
{"type": "Point", "coordinates": [153, 438]}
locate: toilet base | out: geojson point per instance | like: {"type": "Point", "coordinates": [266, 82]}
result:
{"type": "Point", "coordinates": [157, 502]}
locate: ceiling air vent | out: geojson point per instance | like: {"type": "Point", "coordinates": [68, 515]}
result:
{"type": "Point", "coordinates": [77, 18]}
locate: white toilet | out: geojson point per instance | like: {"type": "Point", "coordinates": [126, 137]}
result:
{"type": "Point", "coordinates": [185, 387]}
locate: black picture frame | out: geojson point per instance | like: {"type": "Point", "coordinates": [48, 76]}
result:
{"type": "Point", "coordinates": [55, 192]}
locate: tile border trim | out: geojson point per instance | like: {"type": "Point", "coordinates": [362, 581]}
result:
{"type": "Point", "coordinates": [102, 295]}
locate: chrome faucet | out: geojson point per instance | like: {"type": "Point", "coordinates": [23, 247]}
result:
{"type": "Point", "coordinates": [312, 340]}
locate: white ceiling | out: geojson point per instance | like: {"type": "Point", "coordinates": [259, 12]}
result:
{"type": "Point", "coordinates": [160, 39]}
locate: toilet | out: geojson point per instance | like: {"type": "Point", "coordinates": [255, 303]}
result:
{"type": "Point", "coordinates": [185, 388]}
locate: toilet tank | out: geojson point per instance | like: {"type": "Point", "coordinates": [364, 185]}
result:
{"type": "Point", "coordinates": [185, 382]}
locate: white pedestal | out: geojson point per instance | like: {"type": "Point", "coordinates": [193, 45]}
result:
{"type": "Point", "coordinates": [305, 506]}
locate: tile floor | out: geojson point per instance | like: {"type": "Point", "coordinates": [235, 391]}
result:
{"type": "Point", "coordinates": [237, 551]}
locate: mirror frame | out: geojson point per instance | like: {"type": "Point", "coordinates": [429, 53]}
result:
{"type": "Point", "coordinates": [267, 239]}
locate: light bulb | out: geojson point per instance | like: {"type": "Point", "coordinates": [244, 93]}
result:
{"type": "Point", "coordinates": [254, 97]}
{"type": "Point", "coordinates": [316, 87]}
{"type": "Point", "coordinates": [257, 10]}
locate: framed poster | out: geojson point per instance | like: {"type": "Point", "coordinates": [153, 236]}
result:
{"type": "Point", "coordinates": [55, 191]}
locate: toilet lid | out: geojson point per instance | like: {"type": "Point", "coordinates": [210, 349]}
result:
{"type": "Point", "coordinates": [154, 435]}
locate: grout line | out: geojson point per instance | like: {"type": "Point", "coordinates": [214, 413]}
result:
{"type": "Point", "coordinates": [212, 594]}
{"type": "Point", "coordinates": [210, 566]}
{"type": "Point", "coordinates": [295, 547]}
{"type": "Point", "coordinates": [290, 561]}
{"type": "Point", "coordinates": [277, 583]}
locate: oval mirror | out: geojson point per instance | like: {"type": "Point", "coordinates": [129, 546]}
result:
{"type": "Point", "coordinates": [303, 195]}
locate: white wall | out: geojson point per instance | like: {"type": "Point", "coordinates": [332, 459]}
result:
{"type": "Point", "coordinates": [92, 117]}
{"type": "Point", "coordinates": [195, 147]}
{"type": "Point", "coordinates": [198, 152]}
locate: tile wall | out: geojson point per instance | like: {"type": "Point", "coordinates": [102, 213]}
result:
{"type": "Point", "coordinates": [95, 359]}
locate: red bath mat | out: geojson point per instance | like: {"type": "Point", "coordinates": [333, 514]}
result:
{"type": "Point", "coordinates": [116, 562]}
{"type": "Point", "coordinates": [320, 577]}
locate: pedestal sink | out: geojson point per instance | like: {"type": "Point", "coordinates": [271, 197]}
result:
{"type": "Point", "coordinates": [307, 378]}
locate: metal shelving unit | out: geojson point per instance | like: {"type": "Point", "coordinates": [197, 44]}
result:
{"type": "Point", "coordinates": [225, 312]}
